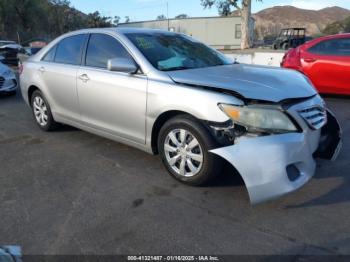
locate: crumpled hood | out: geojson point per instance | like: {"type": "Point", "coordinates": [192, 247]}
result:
{"type": "Point", "coordinates": [250, 81]}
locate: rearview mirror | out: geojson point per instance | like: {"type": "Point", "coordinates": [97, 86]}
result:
{"type": "Point", "coordinates": [124, 65]}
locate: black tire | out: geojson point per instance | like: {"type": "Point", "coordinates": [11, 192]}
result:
{"type": "Point", "coordinates": [211, 165]}
{"type": "Point", "coordinates": [49, 124]}
{"type": "Point", "coordinates": [285, 46]}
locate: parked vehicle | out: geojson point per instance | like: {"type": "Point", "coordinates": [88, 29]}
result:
{"type": "Point", "coordinates": [9, 50]}
{"type": "Point", "coordinates": [8, 80]}
{"type": "Point", "coordinates": [4, 43]}
{"type": "Point", "coordinates": [326, 61]}
{"type": "Point", "coordinates": [269, 40]}
{"type": "Point", "coordinates": [29, 51]}
{"type": "Point", "coordinates": [289, 38]}
{"type": "Point", "coordinates": [26, 52]}
{"type": "Point", "coordinates": [169, 94]}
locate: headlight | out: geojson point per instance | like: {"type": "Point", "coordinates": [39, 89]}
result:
{"type": "Point", "coordinates": [7, 73]}
{"type": "Point", "coordinates": [259, 119]}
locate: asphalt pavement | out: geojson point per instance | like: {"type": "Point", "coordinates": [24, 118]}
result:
{"type": "Point", "coordinates": [71, 192]}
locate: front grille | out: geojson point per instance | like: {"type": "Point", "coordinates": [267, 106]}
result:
{"type": "Point", "coordinates": [315, 117]}
{"type": "Point", "coordinates": [2, 80]}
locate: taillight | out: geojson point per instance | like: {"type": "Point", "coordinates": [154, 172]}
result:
{"type": "Point", "coordinates": [298, 62]}
{"type": "Point", "coordinates": [292, 59]}
{"type": "Point", "coordinates": [283, 60]}
{"type": "Point", "coordinates": [20, 68]}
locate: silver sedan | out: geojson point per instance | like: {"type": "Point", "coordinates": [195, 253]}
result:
{"type": "Point", "coordinates": [168, 94]}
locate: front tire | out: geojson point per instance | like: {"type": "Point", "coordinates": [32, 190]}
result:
{"type": "Point", "coordinates": [285, 46]}
{"type": "Point", "coordinates": [42, 112]}
{"type": "Point", "coordinates": [184, 145]}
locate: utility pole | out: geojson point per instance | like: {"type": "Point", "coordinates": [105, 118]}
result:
{"type": "Point", "coordinates": [167, 15]}
{"type": "Point", "coordinates": [18, 38]}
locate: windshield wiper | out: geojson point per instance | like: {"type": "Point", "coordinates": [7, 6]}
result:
{"type": "Point", "coordinates": [176, 68]}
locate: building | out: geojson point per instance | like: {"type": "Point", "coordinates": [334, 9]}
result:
{"type": "Point", "coordinates": [223, 33]}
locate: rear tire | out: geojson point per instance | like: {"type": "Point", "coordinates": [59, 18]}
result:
{"type": "Point", "coordinates": [42, 112]}
{"type": "Point", "coordinates": [184, 145]}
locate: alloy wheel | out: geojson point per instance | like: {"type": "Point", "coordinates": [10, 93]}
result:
{"type": "Point", "coordinates": [183, 152]}
{"type": "Point", "coordinates": [40, 111]}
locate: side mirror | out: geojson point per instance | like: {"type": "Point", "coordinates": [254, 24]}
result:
{"type": "Point", "coordinates": [124, 65]}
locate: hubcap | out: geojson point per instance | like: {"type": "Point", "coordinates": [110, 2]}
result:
{"type": "Point", "coordinates": [183, 152]}
{"type": "Point", "coordinates": [40, 111]}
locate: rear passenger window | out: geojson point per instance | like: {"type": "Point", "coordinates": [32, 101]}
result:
{"type": "Point", "coordinates": [69, 50]}
{"type": "Point", "coordinates": [101, 48]}
{"type": "Point", "coordinates": [336, 47]}
{"type": "Point", "coordinates": [50, 56]}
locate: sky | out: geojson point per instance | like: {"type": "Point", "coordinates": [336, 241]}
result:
{"type": "Point", "coordinates": [139, 10]}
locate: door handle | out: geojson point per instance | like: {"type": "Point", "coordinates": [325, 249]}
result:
{"type": "Point", "coordinates": [310, 60]}
{"type": "Point", "coordinates": [41, 69]}
{"type": "Point", "coordinates": [84, 78]}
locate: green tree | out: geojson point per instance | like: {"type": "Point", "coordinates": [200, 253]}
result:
{"type": "Point", "coordinates": [161, 17]}
{"type": "Point", "coordinates": [95, 20]}
{"type": "Point", "coordinates": [181, 16]}
{"type": "Point", "coordinates": [244, 8]}
{"type": "Point", "coordinates": [45, 19]}
{"type": "Point", "coordinates": [116, 20]}
{"type": "Point", "coordinates": [17, 17]}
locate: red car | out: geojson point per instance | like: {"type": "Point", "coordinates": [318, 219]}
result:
{"type": "Point", "coordinates": [325, 60]}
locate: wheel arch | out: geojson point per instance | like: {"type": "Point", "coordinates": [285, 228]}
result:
{"type": "Point", "coordinates": [30, 92]}
{"type": "Point", "coordinates": [160, 121]}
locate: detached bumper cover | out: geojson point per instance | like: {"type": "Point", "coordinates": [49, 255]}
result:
{"type": "Point", "coordinates": [331, 139]}
{"type": "Point", "coordinates": [265, 163]}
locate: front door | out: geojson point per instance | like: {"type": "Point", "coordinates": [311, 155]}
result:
{"type": "Point", "coordinates": [112, 102]}
{"type": "Point", "coordinates": [327, 64]}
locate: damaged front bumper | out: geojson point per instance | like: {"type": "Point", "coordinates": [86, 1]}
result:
{"type": "Point", "coordinates": [8, 84]}
{"type": "Point", "coordinates": [272, 166]}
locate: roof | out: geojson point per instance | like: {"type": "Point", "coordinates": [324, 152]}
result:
{"type": "Point", "coordinates": [327, 37]}
{"type": "Point", "coordinates": [128, 30]}
{"type": "Point", "coordinates": [123, 30]}
{"type": "Point", "coordinates": [344, 35]}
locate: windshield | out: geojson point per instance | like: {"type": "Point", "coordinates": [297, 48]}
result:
{"type": "Point", "coordinates": [169, 52]}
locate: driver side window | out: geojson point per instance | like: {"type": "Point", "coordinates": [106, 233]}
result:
{"type": "Point", "coordinates": [101, 48]}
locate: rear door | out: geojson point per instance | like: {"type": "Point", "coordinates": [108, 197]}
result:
{"type": "Point", "coordinates": [113, 102]}
{"type": "Point", "coordinates": [327, 64]}
{"type": "Point", "coordinates": [58, 70]}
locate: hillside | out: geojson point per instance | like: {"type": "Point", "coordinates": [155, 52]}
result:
{"type": "Point", "coordinates": [270, 21]}
{"type": "Point", "coordinates": [342, 26]}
